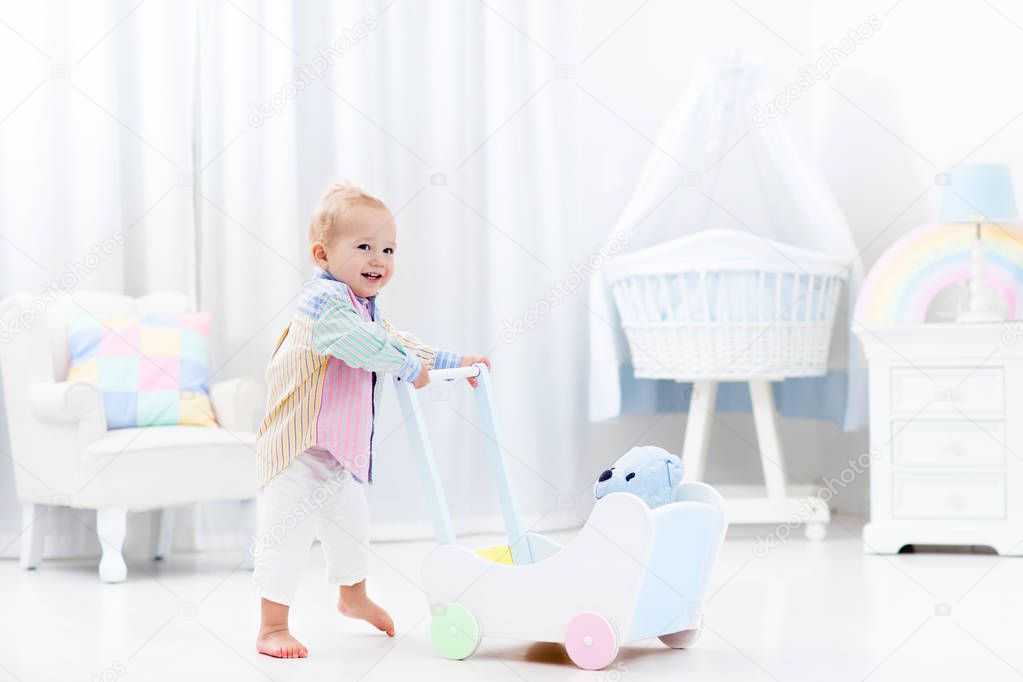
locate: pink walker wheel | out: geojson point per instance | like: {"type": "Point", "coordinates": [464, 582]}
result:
{"type": "Point", "coordinates": [591, 641]}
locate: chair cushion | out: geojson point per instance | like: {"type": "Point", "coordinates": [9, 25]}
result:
{"type": "Point", "coordinates": [151, 369]}
{"type": "Point", "coordinates": [136, 440]}
{"type": "Point", "coordinates": [166, 466]}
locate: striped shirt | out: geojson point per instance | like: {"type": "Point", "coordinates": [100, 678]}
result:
{"type": "Point", "coordinates": [321, 379]}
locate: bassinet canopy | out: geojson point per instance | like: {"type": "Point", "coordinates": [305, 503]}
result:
{"type": "Point", "coordinates": [721, 163]}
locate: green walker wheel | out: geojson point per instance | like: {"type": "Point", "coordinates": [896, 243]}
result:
{"type": "Point", "coordinates": [454, 631]}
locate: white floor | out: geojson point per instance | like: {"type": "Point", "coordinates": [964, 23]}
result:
{"type": "Point", "coordinates": [805, 611]}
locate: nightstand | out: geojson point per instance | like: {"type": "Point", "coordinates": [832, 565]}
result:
{"type": "Point", "coordinates": [946, 436]}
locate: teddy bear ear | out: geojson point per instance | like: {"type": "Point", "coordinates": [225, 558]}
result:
{"type": "Point", "coordinates": [675, 469]}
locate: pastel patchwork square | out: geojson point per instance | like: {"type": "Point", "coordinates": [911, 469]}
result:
{"type": "Point", "coordinates": [120, 340]}
{"type": "Point", "coordinates": [161, 320]}
{"type": "Point", "coordinates": [198, 323]}
{"type": "Point", "coordinates": [87, 370]}
{"type": "Point", "coordinates": [195, 347]}
{"type": "Point", "coordinates": [195, 408]}
{"type": "Point", "coordinates": [151, 369]}
{"type": "Point", "coordinates": [121, 409]}
{"type": "Point", "coordinates": [193, 376]}
{"type": "Point", "coordinates": [164, 341]}
{"type": "Point", "coordinates": [159, 374]}
{"type": "Point", "coordinates": [118, 321]}
{"type": "Point", "coordinates": [158, 408]}
{"type": "Point", "coordinates": [84, 341]}
{"type": "Point", "coordinates": [119, 372]}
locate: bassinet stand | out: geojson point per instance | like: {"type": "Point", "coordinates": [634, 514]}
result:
{"type": "Point", "coordinates": [777, 502]}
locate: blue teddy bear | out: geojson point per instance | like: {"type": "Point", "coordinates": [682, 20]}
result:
{"type": "Point", "coordinates": [647, 471]}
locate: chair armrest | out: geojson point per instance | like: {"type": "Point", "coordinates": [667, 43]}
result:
{"type": "Point", "coordinates": [66, 401]}
{"type": "Point", "coordinates": [234, 402]}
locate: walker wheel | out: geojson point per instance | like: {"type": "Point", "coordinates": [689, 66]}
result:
{"type": "Point", "coordinates": [454, 631]}
{"type": "Point", "coordinates": [815, 531]}
{"type": "Point", "coordinates": [682, 639]}
{"type": "Point", "coordinates": [591, 641]}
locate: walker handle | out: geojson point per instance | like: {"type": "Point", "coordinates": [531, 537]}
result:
{"type": "Point", "coordinates": [454, 373]}
{"type": "Point", "coordinates": [408, 398]}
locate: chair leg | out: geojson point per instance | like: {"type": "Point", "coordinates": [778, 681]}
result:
{"type": "Point", "coordinates": [249, 518]}
{"type": "Point", "coordinates": [164, 533]}
{"type": "Point", "coordinates": [33, 534]}
{"type": "Point", "coordinates": [111, 526]}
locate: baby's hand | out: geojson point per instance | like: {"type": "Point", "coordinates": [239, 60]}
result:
{"type": "Point", "coordinates": [424, 377]}
{"type": "Point", "coordinates": [468, 360]}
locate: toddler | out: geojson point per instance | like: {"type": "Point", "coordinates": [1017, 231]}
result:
{"type": "Point", "coordinates": [315, 442]}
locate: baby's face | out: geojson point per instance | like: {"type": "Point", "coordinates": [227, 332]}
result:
{"type": "Point", "coordinates": [362, 252]}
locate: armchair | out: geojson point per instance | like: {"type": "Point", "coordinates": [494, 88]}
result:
{"type": "Point", "coordinates": [63, 454]}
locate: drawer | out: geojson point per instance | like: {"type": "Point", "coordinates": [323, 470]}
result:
{"type": "Point", "coordinates": [964, 496]}
{"type": "Point", "coordinates": [948, 389]}
{"type": "Point", "coordinates": [948, 443]}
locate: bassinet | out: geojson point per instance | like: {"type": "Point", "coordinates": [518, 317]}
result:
{"type": "Point", "coordinates": [726, 305]}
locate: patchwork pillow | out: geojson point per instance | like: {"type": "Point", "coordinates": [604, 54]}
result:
{"type": "Point", "coordinates": [152, 369]}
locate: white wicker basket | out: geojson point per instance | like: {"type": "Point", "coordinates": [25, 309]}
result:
{"type": "Point", "coordinates": [724, 305]}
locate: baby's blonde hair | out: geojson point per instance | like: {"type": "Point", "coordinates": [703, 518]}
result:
{"type": "Point", "coordinates": [329, 213]}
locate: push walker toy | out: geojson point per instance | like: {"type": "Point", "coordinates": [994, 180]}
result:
{"type": "Point", "coordinates": [631, 573]}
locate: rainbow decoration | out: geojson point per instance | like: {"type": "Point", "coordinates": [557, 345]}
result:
{"type": "Point", "coordinates": [907, 277]}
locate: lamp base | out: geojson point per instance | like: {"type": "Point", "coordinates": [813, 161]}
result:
{"type": "Point", "coordinates": [981, 306]}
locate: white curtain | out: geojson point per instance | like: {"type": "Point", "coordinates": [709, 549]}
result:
{"type": "Point", "coordinates": [205, 132]}
{"type": "Point", "coordinates": [94, 142]}
{"type": "Point", "coordinates": [458, 124]}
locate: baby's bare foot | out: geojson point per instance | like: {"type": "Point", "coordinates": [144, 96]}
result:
{"type": "Point", "coordinates": [354, 603]}
{"type": "Point", "coordinates": [280, 644]}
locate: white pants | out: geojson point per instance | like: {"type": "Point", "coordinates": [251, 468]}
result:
{"type": "Point", "coordinates": [314, 497]}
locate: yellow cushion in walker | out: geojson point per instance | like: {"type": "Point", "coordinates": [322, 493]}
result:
{"type": "Point", "coordinates": [499, 554]}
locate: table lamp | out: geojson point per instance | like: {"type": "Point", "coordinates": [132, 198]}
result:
{"type": "Point", "coordinates": [977, 194]}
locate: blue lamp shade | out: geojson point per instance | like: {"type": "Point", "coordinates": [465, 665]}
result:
{"type": "Point", "coordinates": [978, 193]}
